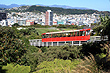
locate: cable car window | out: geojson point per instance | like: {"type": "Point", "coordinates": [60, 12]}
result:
{"type": "Point", "coordinates": [59, 34]}
{"type": "Point", "coordinates": [83, 33]}
{"type": "Point", "coordinates": [68, 34]}
{"type": "Point", "coordinates": [56, 35]}
{"type": "Point", "coordinates": [64, 34]}
{"type": "Point", "coordinates": [47, 35]}
{"type": "Point", "coordinates": [43, 36]}
{"type": "Point", "coordinates": [71, 34]}
{"type": "Point", "coordinates": [87, 32]}
{"type": "Point", "coordinates": [74, 33]}
{"type": "Point", "coordinates": [77, 33]}
{"type": "Point", "coordinates": [50, 35]}
{"type": "Point", "coordinates": [53, 35]}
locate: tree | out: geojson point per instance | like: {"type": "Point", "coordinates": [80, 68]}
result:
{"type": "Point", "coordinates": [60, 52]}
{"type": "Point", "coordinates": [11, 47]}
{"type": "Point", "coordinates": [14, 15]}
{"type": "Point", "coordinates": [29, 58]}
{"type": "Point", "coordinates": [15, 24]}
{"type": "Point", "coordinates": [103, 28]}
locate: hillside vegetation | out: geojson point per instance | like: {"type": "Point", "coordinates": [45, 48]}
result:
{"type": "Point", "coordinates": [57, 10]}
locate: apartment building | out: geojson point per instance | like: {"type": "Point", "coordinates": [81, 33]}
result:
{"type": "Point", "coordinates": [49, 18]}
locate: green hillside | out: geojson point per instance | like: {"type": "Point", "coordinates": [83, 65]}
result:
{"type": "Point", "coordinates": [57, 10]}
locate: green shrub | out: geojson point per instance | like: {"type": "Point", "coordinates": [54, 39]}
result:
{"type": "Point", "coordinates": [44, 49]}
{"type": "Point", "coordinates": [29, 58]}
{"type": "Point", "coordinates": [102, 55]}
{"type": "Point", "coordinates": [35, 56]}
{"type": "Point", "coordinates": [29, 33]}
{"type": "Point", "coordinates": [56, 66]}
{"type": "Point", "coordinates": [93, 48]}
{"type": "Point", "coordinates": [15, 25]}
{"type": "Point", "coordinates": [11, 68]}
{"type": "Point", "coordinates": [60, 52]}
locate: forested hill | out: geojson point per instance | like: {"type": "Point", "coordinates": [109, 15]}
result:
{"type": "Point", "coordinates": [57, 10]}
{"type": "Point", "coordinates": [60, 10]}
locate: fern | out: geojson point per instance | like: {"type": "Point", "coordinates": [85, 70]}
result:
{"type": "Point", "coordinates": [56, 66]}
{"type": "Point", "coordinates": [11, 68]}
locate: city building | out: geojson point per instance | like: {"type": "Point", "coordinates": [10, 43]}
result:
{"type": "Point", "coordinates": [4, 23]}
{"type": "Point", "coordinates": [49, 18]}
{"type": "Point", "coordinates": [3, 19]}
{"type": "Point", "coordinates": [29, 22]}
{"type": "Point", "coordinates": [3, 16]}
{"type": "Point", "coordinates": [60, 22]}
{"type": "Point", "coordinates": [21, 22]}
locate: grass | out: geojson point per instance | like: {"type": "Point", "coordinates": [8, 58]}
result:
{"type": "Point", "coordinates": [45, 30]}
{"type": "Point", "coordinates": [68, 29]}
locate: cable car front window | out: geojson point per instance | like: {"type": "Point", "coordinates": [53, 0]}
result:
{"type": "Point", "coordinates": [43, 36]}
{"type": "Point", "coordinates": [87, 32]}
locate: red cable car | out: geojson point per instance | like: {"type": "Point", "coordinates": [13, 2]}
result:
{"type": "Point", "coordinates": [72, 35]}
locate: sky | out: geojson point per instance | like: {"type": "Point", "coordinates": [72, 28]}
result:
{"type": "Point", "coordinates": [101, 5]}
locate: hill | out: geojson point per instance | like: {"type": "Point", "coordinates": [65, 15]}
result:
{"type": "Point", "coordinates": [9, 6]}
{"type": "Point", "coordinates": [37, 8]}
{"type": "Point", "coordinates": [68, 7]}
{"type": "Point", "coordinates": [59, 6]}
{"type": "Point", "coordinates": [59, 10]}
